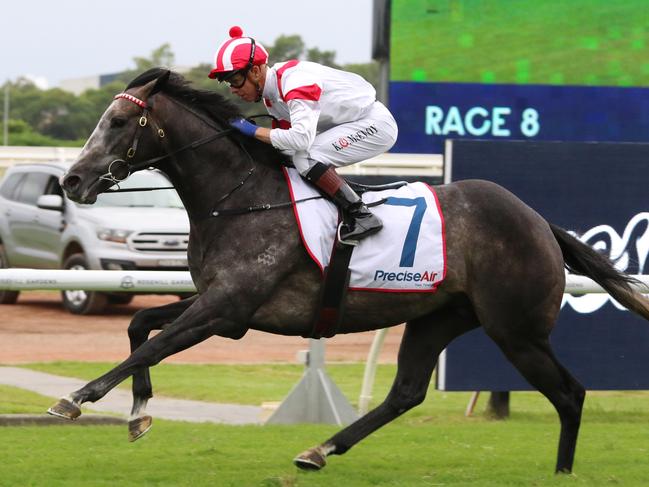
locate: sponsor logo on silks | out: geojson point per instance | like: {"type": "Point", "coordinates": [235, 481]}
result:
{"type": "Point", "coordinates": [357, 136]}
{"type": "Point", "coordinates": [405, 276]}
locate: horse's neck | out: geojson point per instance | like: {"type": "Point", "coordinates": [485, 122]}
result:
{"type": "Point", "coordinates": [204, 175]}
{"type": "Point", "coordinates": [223, 177]}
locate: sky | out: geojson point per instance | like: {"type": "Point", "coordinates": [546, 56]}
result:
{"type": "Point", "coordinates": [51, 41]}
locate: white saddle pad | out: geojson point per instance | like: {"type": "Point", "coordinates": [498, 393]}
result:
{"type": "Point", "coordinates": [407, 255]}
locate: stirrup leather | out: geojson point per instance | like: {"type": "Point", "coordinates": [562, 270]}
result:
{"type": "Point", "coordinates": [352, 243]}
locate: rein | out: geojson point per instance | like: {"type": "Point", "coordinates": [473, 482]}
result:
{"type": "Point", "coordinates": [154, 160]}
{"type": "Point", "coordinates": [251, 209]}
{"type": "Point", "coordinates": [131, 168]}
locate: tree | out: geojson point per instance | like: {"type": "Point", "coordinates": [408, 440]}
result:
{"type": "Point", "coordinates": [285, 48]}
{"type": "Point", "coordinates": [57, 113]}
{"type": "Point", "coordinates": [20, 133]}
{"type": "Point", "coordinates": [97, 100]}
{"type": "Point", "coordinates": [323, 57]}
{"type": "Point", "coordinates": [198, 77]}
{"type": "Point", "coordinates": [161, 56]}
{"type": "Point", "coordinates": [56, 117]}
{"type": "Point", "coordinates": [369, 71]}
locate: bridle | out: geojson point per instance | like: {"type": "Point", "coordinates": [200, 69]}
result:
{"type": "Point", "coordinates": [220, 132]}
{"type": "Point", "coordinates": [144, 120]}
{"type": "Point", "coordinates": [150, 163]}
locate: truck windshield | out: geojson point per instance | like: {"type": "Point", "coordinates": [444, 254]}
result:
{"type": "Point", "coordinates": [166, 198]}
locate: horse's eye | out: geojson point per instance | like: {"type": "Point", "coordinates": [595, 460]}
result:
{"type": "Point", "coordinates": [117, 122]}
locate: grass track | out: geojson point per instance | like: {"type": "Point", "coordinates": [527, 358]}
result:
{"type": "Point", "coordinates": [518, 452]}
{"type": "Point", "coordinates": [432, 445]}
{"type": "Point", "coordinates": [243, 384]}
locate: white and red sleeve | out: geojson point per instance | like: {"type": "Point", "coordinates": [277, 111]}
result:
{"type": "Point", "coordinates": [304, 122]}
{"type": "Point", "coordinates": [301, 92]}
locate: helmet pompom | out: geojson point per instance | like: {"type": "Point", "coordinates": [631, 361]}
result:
{"type": "Point", "coordinates": [236, 31]}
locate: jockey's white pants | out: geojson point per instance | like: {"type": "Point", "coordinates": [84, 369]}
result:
{"type": "Point", "coordinates": [351, 142]}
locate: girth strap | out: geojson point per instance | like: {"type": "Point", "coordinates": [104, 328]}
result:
{"type": "Point", "coordinates": [336, 283]}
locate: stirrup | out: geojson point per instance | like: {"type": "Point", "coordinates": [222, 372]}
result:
{"type": "Point", "coordinates": [353, 243]}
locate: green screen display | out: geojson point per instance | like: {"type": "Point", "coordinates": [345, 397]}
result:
{"type": "Point", "coordinates": [549, 42]}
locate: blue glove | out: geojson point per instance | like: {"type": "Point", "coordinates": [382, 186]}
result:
{"type": "Point", "coordinates": [243, 126]}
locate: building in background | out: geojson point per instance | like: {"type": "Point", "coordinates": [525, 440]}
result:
{"type": "Point", "coordinates": [79, 85]}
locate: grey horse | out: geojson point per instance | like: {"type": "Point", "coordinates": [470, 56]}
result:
{"type": "Point", "coordinates": [505, 264]}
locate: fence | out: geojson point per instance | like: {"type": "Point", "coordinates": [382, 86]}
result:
{"type": "Point", "coordinates": [383, 165]}
{"type": "Point", "coordinates": [16, 279]}
{"type": "Point", "coordinates": [180, 281]}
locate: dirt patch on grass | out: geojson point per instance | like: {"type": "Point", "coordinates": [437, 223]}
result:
{"type": "Point", "coordinates": [37, 329]}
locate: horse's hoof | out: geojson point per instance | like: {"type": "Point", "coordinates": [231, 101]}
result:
{"type": "Point", "coordinates": [137, 428]}
{"type": "Point", "coordinates": [311, 459]}
{"type": "Point", "coordinates": [65, 409]}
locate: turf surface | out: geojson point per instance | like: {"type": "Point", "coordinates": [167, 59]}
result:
{"type": "Point", "coordinates": [433, 444]}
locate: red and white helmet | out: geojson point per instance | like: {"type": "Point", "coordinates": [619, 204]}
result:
{"type": "Point", "coordinates": [238, 53]}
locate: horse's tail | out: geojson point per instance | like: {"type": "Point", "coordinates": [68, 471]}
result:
{"type": "Point", "coordinates": [581, 259]}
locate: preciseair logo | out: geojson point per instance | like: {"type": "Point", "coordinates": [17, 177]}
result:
{"type": "Point", "coordinates": [405, 276]}
{"type": "Point", "coordinates": [362, 134]}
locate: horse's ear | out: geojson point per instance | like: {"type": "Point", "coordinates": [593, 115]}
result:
{"type": "Point", "coordinates": [160, 82]}
{"type": "Point", "coordinates": [154, 86]}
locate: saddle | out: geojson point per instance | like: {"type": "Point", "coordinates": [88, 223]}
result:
{"type": "Point", "coordinates": [363, 188]}
{"type": "Point", "coordinates": [407, 255]}
{"type": "Point", "coordinates": [337, 274]}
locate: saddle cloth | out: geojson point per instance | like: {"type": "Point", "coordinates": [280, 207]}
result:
{"type": "Point", "coordinates": [407, 255]}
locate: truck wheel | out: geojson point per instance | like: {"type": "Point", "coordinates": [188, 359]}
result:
{"type": "Point", "coordinates": [81, 302]}
{"type": "Point", "coordinates": [6, 297]}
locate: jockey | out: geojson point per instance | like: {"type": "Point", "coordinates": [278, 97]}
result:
{"type": "Point", "coordinates": [325, 118]}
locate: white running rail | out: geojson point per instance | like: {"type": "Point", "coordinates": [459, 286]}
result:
{"type": "Point", "coordinates": [386, 164]}
{"type": "Point", "coordinates": [16, 279]}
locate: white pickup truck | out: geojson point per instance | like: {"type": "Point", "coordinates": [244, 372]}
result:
{"type": "Point", "coordinates": [41, 229]}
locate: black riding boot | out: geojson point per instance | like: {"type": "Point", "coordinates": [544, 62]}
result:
{"type": "Point", "coordinates": [364, 222]}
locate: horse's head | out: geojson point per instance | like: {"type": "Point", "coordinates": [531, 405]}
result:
{"type": "Point", "coordinates": [125, 133]}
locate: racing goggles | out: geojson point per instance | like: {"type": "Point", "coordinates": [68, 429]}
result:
{"type": "Point", "coordinates": [235, 79]}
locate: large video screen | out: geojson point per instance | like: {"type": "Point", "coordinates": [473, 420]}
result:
{"type": "Point", "coordinates": [548, 42]}
{"type": "Point", "coordinates": [551, 70]}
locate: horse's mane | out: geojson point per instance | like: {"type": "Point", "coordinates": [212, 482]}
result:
{"type": "Point", "coordinates": [213, 104]}
{"type": "Point", "coordinates": [210, 102]}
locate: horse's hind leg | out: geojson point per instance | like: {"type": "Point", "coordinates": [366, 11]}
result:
{"type": "Point", "coordinates": [536, 362]}
{"type": "Point", "coordinates": [422, 342]}
{"type": "Point", "coordinates": [142, 324]}
{"type": "Point", "coordinates": [519, 315]}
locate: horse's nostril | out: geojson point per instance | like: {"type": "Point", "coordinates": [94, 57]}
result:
{"type": "Point", "coordinates": [71, 182]}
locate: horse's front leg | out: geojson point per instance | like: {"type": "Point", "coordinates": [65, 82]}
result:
{"type": "Point", "coordinates": [199, 322]}
{"type": "Point", "coordinates": [142, 324]}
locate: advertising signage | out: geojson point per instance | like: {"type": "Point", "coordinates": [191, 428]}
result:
{"type": "Point", "coordinates": [429, 113]}
{"type": "Point", "coordinates": [552, 70]}
{"type": "Point", "coordinates": [572, 185]}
